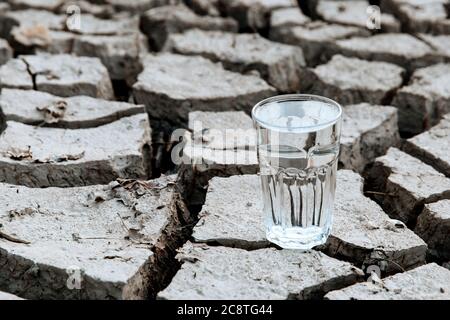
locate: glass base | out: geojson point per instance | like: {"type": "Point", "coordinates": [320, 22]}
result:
{"type": "Point", "coordinates": [297, 237]}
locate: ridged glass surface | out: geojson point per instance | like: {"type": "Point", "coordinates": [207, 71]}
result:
{"type": "Point", "coordinates": [298, 148]}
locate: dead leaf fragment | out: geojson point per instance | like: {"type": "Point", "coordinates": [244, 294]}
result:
{"type": "Point", "coordinates": [76, 237]}
{"type": "Point", "coordinates": [67, 157]}
{"type": "Point", "coordinates": [20, 154]}
{"type": "Point", "coordinates": [53, 112]}
{"type": "Point", "coordinates": [17, 213]}
{"type": "Point", "coordinates": [97, 196]}
{"type": "Point", "coordinates": [117, 257]}
{"type": "Point", "coordinates": [132, 184]}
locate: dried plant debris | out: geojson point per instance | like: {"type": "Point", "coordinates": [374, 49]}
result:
{"type": "Point", "coordinates": [53, 112]}
{"type": "Point", "coordinates": [27, 154]}
{"type": "Point", "coordinates": [140, 187]}
{"type": "Point", "coordinates": [69, 157]}
{"type": "Point", "coordinates": [132, 184]}
{"type": "Point", "coordinates": [23, 212]}
{"type": "Point", "coordinates": [20, 154]}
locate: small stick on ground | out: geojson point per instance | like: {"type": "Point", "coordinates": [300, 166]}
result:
{"type": "Point", "coordinates": [380, 193]}
{"type": "Point", "coordinates": [12, 239]}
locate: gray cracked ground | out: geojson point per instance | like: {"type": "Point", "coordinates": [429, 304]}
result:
{"type": "Point", "coordinates": [411, 186]}
{"type": "Point", "coordinates": [235, 274]}
{"type": "Point", "coordinates": [107, 232]}
{"type": "Point", "coordinates": [352, 80]}
{"type": "Point", "coordinates": [79, 111]}
{"type": "Point", "coordinates": [43, 157]}
{"type": "Point", "coordinates": [172, 85]}
{"type": "Point", "coordinates": [277, 63]}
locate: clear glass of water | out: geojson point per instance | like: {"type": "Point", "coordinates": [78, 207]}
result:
{"type": "Point", "coordinates": [298, 148]}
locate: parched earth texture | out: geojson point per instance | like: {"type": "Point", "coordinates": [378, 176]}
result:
{"type": "Point", "coordinates": [116, 182]}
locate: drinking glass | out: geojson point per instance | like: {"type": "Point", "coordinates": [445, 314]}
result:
{"type": "Point", "coordinates": [298, 147]}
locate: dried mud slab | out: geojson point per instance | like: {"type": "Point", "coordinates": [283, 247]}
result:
{"type": "Point", "coordinates": [353, 13]}
{"type": "Point", "coordinates": [316, 38]}
{"type": "Point", "coordinates": [440, 43]}
{"type": "Point", "coordinates": [138, 6]}
{"type": "Point", "coordinates": [425, 99]}
{"type": "Point", "coordinates": [95, 242]}
{"type": "Point", "coordinates": [403, 184]}
{"type": "Point", "coordinates": [287, 17]}
{"type": "Point", "coordinates": [429, 282]}
{"type": "Point", "coordinates": [433, 225]}
{"type": "Point", "coordinates": [398, 48]}
{"type": "Point", "coordinates": [420, 16]}
{"type": "Point", "coordinates": [278, 64]}
{"type": "Point", "coordinates": [172, 85]}
{"type": "Point", "coordinates": [368, 131]}
{"type": "Point", "coordinates": [44, 157]}
{"type": "Point", "coordinates": [432, 146]}
{"type": "Point", "coordinates": [44, 109]}
{"type": "Point", "coordinates": [364, 234]}
{"type": "Point", "coordinates": [117, 42]}
{"type": "Point", "coordinates": [235, 274]}
{"type": "Point", "coordinates": [48, 5]}
{"type": "Point", "coordinates": [352, 80]}
{"type": "Point", "coordinates": [14, 74]}
{"type": "Point", "coordinates": [158, 23]}
{"type": "Point", "coordinates": [120, 54]}
{"type": "Point", "coordinates": [30, 19]}
{"type": "Point", "coordinates": [253, 14]}
{"type": "Point", "coordinates": [66, 75]}
{"type": "Point", "coordinates": [221, 144]}
{"type": "Point", "coordinates": [57, 42]}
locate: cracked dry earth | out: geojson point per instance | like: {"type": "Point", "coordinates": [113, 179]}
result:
{"type": "Point", "coordinates": [91, 206]}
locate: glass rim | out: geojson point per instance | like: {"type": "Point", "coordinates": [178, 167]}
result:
{"type": "Point", "coordinates": [297, 97]}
